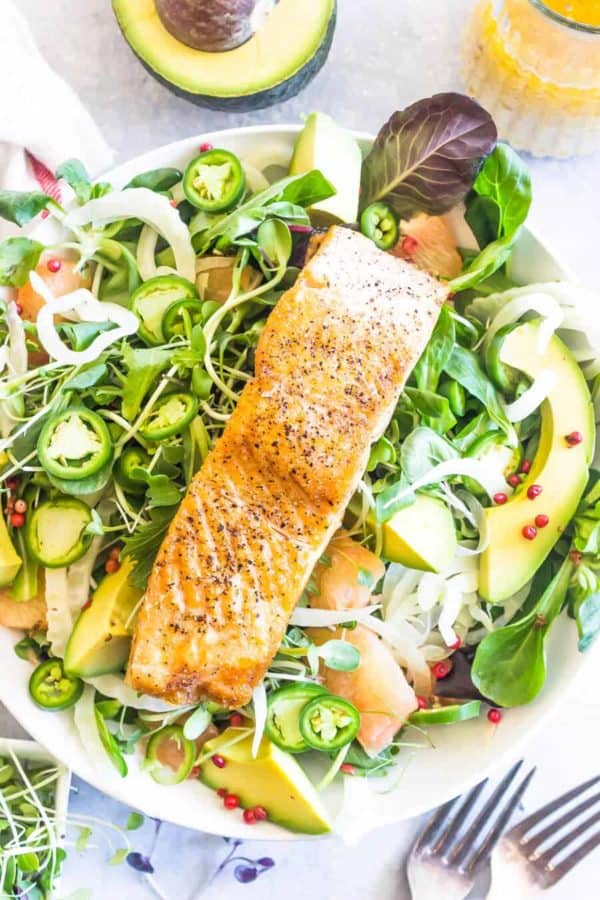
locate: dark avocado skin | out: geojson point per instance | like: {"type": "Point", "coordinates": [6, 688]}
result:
{"type": "Point", "coordinates": [269, 97]}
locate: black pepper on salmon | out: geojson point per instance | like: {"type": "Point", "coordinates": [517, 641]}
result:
{"type": "Point", "coordinates": [330, 365]}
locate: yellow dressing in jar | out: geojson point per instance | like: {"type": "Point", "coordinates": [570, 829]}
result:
{"type": "Point", "coordinates": [586, 12]}
{"type": "Point", "coordinates": [536, 67]}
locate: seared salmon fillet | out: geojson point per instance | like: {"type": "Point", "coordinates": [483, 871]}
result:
{"type": "Point", "coordinates": [330, 365]}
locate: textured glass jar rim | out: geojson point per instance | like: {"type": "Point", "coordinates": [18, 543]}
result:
{"type": "Point", "coordinates": [564, 20]}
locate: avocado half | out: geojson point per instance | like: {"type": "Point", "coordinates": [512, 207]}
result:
{"type": "Point", "coordinates": [276, 63]}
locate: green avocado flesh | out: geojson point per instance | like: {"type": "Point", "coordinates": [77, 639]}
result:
{"type": "Point", "coordinates": [420, 536]}
{"type": "Point", "coordinates": [10, 561]}
{"type": "Point", "coordinates": [100, 640]}
{"type": "Point", "coordinates": [273, 65]}
{"type": "Point", "coordinates": [273, 780]}
{"type": "Point", "coordinates": [510, 560]}
{"type": "Point", "coordinates": [323, 145]}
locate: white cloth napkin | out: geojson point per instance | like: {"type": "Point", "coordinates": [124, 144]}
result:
{"type": "Point", "coordinates": [41, 117]}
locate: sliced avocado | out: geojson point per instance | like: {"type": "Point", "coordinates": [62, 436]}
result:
{"type": "Point", "coordinates": [10, 561]}
{"type": "Point", "coordinates": [273, 779]}
{"type": "Point", "coordinates": [421, 536]}
{"type": "Point", "coordinates": [323, 145]}
{"type": "Point", "coordinates": [100, 640]}
{"type": "Point", "coordinates": [280, 59]}
{"type": "Point", "coordinates": [510, 560]}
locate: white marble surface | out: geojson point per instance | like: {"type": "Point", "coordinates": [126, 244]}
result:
{"type": "Point", "coordinates": [386, 53]}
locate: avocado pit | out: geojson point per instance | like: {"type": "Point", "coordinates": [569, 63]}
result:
{"type": "Point", "coordinates": [213, 25]}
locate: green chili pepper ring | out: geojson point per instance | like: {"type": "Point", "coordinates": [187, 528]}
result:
{"type": "Point", "coordinates": [214, 181]}
{"type": "Point", "coordinates": [162, 772]}
{"type": "Point", "coordinates": [171, 415]}
{"type": "Point", "coordinates": [181, 316]}
{"type": "Point", "coordinates": [283, 713]}
{"type": "Point", "coordinates": [380, 224]}
{"type": "Point", "coordinates": [51, 688]}
{"type": "Point", "coordinates": [75, 444]}
{"type": "Point", "coordinates": [329, 722]}
{"type": "Point", "coordinates": [446, 715]}
{"type": "Point", "coordinates": [130, 459]}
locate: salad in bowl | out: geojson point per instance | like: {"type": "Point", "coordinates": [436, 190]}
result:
{"type": "Point", "coordinates": [296, 471]}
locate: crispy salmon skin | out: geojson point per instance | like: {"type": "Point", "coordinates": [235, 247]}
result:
{"type": "Point", "coordinates": [330, 365]}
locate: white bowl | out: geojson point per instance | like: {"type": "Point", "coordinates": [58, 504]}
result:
{"type": "Point", "coordinates": [462, 755]}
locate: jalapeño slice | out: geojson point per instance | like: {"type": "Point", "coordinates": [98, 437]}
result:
{"type": "Point", "coordinates": [283, 715]}
{"type": "Point", "coordinates": [50, 688]}
{"type": "Point", "coordinates": [75, 444]}
{"type": "Point", "coordinates": [151, 301]}
{"type": "Point", "coordinates": [214, 181]}
{"type": "Point", "coordinates": [329, 722]}
{"type": "Point", "coordinates": [171, 415]}
{"type": "Point", "coordinates": [181, 317]}
{"type": "Point", "coordinates": [379, 223]}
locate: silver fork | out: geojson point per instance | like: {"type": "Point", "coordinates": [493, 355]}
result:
{"type": "Point", "coordinates": [523, 857]}
{"type": "Point", "coordinates": [444, 858]}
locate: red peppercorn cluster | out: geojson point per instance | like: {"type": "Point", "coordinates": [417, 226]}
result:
{"type": "Point", "coordinates": [113, 564]}
{"type": "Point", "coordinates": [231, 801]}
{"type": "Point", "coordinates": [529, 532]}
{"type": "Point", "coordinates": [16, 507]}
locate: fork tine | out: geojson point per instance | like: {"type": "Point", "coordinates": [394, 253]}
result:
{"type": "Point", "coordinates": [433, 825]}
{"type": "Point", "coordinates": [466, 843]}
{"type": "Point", "coordinates": [530, 845]}
{"type": "Point", "coordinates": [544, 860]}
{"type": "Point", "coordinates": [457, 820]}
{"type": "Point", "coordinates": [555, 873]}
{"type": "Point", "coordinates": [484, 850]}
{"type": "Point", "coordinates": [536, 817]}
{"type": "Point", "coordinates": [432, 828]}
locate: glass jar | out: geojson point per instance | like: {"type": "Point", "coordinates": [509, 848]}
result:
{"type": "Point", "coordinates": [536, 67]}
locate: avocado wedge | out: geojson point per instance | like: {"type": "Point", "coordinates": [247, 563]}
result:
{"type": "Point", "coordinates": [10, 561]}
{"type": "Point", "coordinates": [559, 469]}
{"type": "Point", "coordinates": [101, 638]}
{"type": "Point", "coordinates": [279, 60]}
{"type": "Point", "coordinates": [323, 144]}
{"type": "Point", "coordinates": [273, 779]}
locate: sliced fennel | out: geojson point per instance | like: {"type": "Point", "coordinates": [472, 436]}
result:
{"type": "Point", "coordinates": [114, 687]}
{"type": "Point", "coordinates": [146, 253]}
{"type": "Point", "coordinates": [304, 617]}
{"type": "Point", "coordinates": [149, 207]}
{"type": "Point", "coordinates": [514, 309]}
{"type": "Point", "coordinates": [578, 306]}
{"type": "Point", "coordinates": [533, 397]}
{"type": "Point", "coordinates": [88, 309]}
{"type": "Point", "coordinates": [490, 480]}
{"type": "Point", "coordinates": [66, 591]}
{"type": "Point", "coordinates": [259, 702]}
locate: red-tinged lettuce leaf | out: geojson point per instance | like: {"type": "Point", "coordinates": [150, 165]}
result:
{"type": "Point", "coordinates": [426, 157]}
